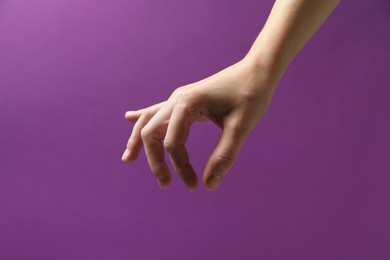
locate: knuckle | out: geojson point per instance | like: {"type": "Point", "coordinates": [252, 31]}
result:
{"type": "Point", "coordinates": [147, 113]}
{"type": "Point", "coordinates": [169, 146]}
{"type": "Point", "coordinates": [241, 128]}
{"type": "Point", "coordinates": [184, 97]}
{"type": "Point", "coordinates": [186, 102]}
{"type": "Point", "coordinates": [145, 133]}
{"type": "Point", "coordinates": [180, 96]}
{"type": "Point", "coordinates": [241, 125]}
{"type": "Point", "coordinates": [225, 158]}
{"type": "Point", "coordinates": [137, 130]}
{"type": "Point", "coordinates": [176, 91]}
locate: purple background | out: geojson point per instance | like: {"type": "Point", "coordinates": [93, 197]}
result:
{"type": "Point", "coordinates": [311, 182]}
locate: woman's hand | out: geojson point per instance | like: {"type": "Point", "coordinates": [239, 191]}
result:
{"type": "Point", "coordinates": [235, 99]}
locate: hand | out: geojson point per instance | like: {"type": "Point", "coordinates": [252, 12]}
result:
{"type": "Point", "coordinates": [235, 99]}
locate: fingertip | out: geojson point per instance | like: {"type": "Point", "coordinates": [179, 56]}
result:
{"type": "Point", "coordinates": [127, 157]}
{"type": "Point", "coordinates": [193, 187]}
{"type": "Point", "coordinates": [163, 186]}
{"type": "Point", "coordinates": [126, 160]}
{"type": "Point", "coordinates": [125, 154]}
{"type": "Point", "coordinates": [127, 113]}
{"type": "Point", "coordinates": [131, 116]}
{"type": "Point", "coordinates": [164, 181]}
{"type": "Point", "coordinates": [213, 182]}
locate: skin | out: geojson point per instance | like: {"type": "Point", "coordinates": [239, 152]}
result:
{"type": "Point", "coordinates": [234, 99]}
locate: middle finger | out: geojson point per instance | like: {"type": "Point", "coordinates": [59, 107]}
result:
{"type": "Point", "coordinates": [152, 135]}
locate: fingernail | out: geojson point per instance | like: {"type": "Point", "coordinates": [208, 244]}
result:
{"type": "Point", "coordinates": [214, 181]}
{"type": "Point", "coordinates": [125, 154]}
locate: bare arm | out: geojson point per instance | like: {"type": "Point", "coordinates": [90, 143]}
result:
{"type": "Point", "coordinates": [289, 26]}
{"type": "Point", "coordinates": [234, 99]}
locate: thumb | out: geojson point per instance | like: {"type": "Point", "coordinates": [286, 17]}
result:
{"type": "Point", "coordinates": [234, 133]}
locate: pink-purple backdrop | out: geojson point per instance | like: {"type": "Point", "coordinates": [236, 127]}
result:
{"type": "Point", "coordinates": [311, 182]}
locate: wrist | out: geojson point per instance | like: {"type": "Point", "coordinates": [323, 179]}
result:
{"type": "Point", "coordinates": [265, 66]}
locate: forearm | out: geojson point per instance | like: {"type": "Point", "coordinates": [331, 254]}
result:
{"type": "Point", "coordinates": [289, 26]}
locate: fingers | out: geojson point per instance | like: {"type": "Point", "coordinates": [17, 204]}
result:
{"type": "Point", "coordinates": [134, 115]}
{"type": "Point", "coordinates": [134, 143]}
{"type": "Point", "coordinates": [174, 142]}
{"type": "Point", "coordinates": [152, 135]}
{"type": "Point", "coordinates": [171, 123]}
{"type": "Point", "coordinates": [151, 128]}
{"type": "Point", "coordinates": [225, 153]}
